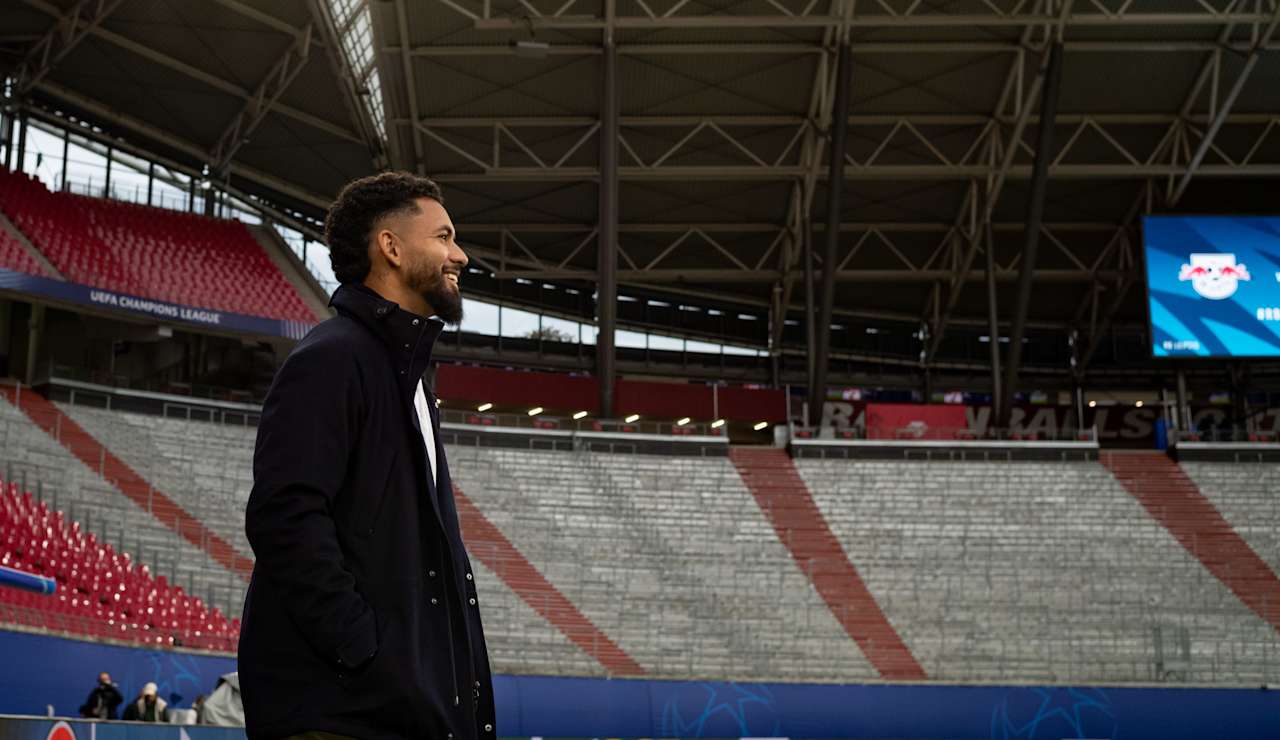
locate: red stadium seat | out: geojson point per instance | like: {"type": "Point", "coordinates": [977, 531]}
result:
{"type": "Point", "coordinates": [100, 594]}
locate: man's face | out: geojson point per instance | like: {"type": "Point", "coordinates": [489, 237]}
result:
{"type": "Point", "coordinates": [433, 261]}
{"type": "Point", "coordinates": [104, 678]}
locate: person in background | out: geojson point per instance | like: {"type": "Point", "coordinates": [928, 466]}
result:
{"type": "Point", "coordinates": [103, 700]}
{"type": "Point", "coordinates": [148, 707]}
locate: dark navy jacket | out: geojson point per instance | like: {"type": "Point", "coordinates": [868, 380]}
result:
{"type": "Point", "coordinates": [362, 616]}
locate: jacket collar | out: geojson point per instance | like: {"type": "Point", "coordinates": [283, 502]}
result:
{"type": "Point", "coordinates": [409, 337]}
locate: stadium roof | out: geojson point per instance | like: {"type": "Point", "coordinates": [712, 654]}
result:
{"type": "Point", "coordinates": [724, 116]}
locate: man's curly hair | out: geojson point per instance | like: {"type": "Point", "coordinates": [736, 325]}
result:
{"type": "Point", "coordinates": [361, 203]}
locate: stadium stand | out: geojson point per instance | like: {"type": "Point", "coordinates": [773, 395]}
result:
{"type": "Point", "coordinates": [102, 593]}
{"type": "Point", "coordinates": [1034, 570]}
{"type": "Point", "coordinates": [988, 571]}
{"type": "Point", "coordinates": [151, 252]}
{"type": "Point", "coordinates": [84, 494]}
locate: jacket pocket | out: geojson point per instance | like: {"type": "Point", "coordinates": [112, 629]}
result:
{"type": "Point", "coordinates": [373, 510]}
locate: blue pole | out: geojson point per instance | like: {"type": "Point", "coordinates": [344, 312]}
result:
{"type": "Point", "coordinates": [27, 581]}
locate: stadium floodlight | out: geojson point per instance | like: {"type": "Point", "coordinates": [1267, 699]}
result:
{"type": "Point", "coordinates": [632, 419]}
{"type": "Point", "coordinates": [531, 49]}
{"type": "Point", "coordinates": [682, 422]}
{"type": "Point", "coordinates": [580, 415]}
{"type": "Point", "coordinates": [760, 425]}
{"type": "Point", "coordinates": [1092, 404]}
{"type": "Point", "coordinates": [1138, 404]}
{"type": "Point", "coordinates": [484, 407]}
{"type": "Point", "coordinates": [717, 423]}
{"type": "Point", "coordinates": [535, 411]}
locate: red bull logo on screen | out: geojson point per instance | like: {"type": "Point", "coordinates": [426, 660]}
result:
{"type": "Point", "coordinates": [1214, 276]}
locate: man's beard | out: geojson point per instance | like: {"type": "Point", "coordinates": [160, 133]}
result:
{"type": "Point", "coordinates": [443, 297]}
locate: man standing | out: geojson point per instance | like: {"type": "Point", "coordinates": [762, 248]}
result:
{"type": "Point", "coordinates": [361, 618]}
{"type": "Point", "coordinates": [103, 700]}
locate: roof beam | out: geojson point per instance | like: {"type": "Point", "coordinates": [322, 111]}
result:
{"type": "Point", "coordinates": [68, 29]}
{"type": "Point", "coordinates": [112, 117]}
{"type": "Point", "coordinates": [905, 20]}
{"type": "Point", "coordinates": [217, 83]}
{"type": "Point", "coordinates": [1224, 110]}
{"type": "Point", "coordinates": [766, 227]}
{"type": "Point", "coordinates": [255, 109]}
{"type": "Point", "coordinates": [875, 173]}
{"type": "Point", "coordinates": [411, 86]}
{"type": "Point", "coordinates": [349, 82]}
{"type": "Point", "coordinates": [266, 19]}
{"type": "Point", "coordinates": [1139, 45]}
{"type": "Point", "coordinates": [694, 276]}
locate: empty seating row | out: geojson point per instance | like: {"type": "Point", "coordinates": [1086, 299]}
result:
{"type": "Point", "coordinates": [151, 252]}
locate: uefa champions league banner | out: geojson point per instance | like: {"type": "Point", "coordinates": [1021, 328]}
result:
{"type": "Point", "coordinates": [89, 296]}
{"type": "Point", "coordinates": [1213, 285]}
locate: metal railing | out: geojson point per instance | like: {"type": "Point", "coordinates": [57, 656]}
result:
{"type": "Point", "coordinates": [1223, 434]}
{"type": "Point", "coordinates": [917, 433]}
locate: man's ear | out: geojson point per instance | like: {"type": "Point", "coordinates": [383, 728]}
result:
{"type": "Point", "coordinates": [388, 247]}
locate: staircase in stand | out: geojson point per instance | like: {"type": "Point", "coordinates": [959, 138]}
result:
{"type": "Point", "coordinates": [1174, 500]}
{"type": "Point", "coordinates": [773, 480]}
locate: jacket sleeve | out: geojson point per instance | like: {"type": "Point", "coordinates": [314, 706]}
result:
{"type": "Point", "coordinates": [310, 421]}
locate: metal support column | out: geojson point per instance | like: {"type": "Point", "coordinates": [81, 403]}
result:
{"type": "Point", "coordinates": [151, 181]}
{"type": "Point", "coordinates": [6, 134]}
{"type": "Point", "coordinates": [835, 178]}
{"type": "Point", "coordinates": [106, 186]}
{"type": "Point", "coordinates": [810, 328]}
{"type": "Point", "coordinates": [35, 333]}
{"type": "Point", "coordinates": [993, 321]}
{"type": "Point", "coordinates": [777, 325]}
{"type": "Point", "coordinates": [1184, 414]}
{"type": "Point", "coordinates": [22, 140]}
{"type": "Point", "coordinates": [607, 259]}
{"type": "Point", "coordinates": [66, 152]}
{"type": "Point", "coordinates": [1035, 215]}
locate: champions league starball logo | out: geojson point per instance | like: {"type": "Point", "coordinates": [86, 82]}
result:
{"type": "Point", "coordinates": [1214, 276]}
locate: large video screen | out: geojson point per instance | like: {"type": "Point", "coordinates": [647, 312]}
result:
{"type": "Point", "coordinates": [1213, 285]}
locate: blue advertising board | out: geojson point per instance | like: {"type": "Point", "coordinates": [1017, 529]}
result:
{"type": "Point", "coordinates": [1213, 285]}
{"type": "Point", "coordinates": [91, 297]}
{"type": "Point", "coordinates": [38, 671]}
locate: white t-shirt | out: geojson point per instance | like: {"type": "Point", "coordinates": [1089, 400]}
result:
{"type": "Point", "coordinates": [428, 433]}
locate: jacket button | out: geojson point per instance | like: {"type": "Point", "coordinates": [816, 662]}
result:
{"type": "Point", "coordinates": [434, 600]}
{"type": "Point", "coordinates": [477, 684]}
{"type": "Point", "coordinates": [402, 372]}
{"type": "Point", "coordinates": [469, 577]}
{"type": "Point", "coordinates": [473, 601]}
{"type": "Point", "coordinates": [431, 574]}
{"type": "Point", "coordinates": [488, 728]}
{"type": "Point", "coordinates": [406, 346]}
{"type": "Point", "coordinates": [415, 323]}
